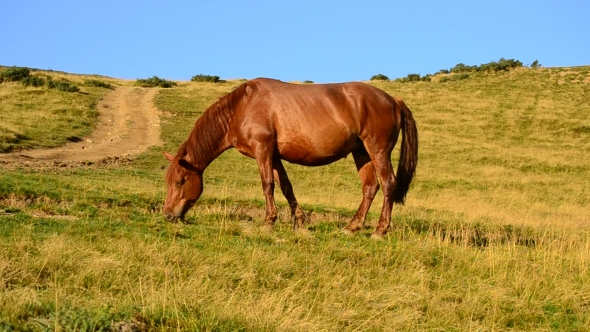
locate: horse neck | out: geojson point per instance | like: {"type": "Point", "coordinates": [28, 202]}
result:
{"type": "Point", "coordinates": [208, 139]}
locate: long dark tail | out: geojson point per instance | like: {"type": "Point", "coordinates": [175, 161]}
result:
{"type": "Point", "coordinates": [408, 158]}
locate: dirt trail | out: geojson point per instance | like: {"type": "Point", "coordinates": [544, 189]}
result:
{"type": "Point", "coordinates": [128, 124]}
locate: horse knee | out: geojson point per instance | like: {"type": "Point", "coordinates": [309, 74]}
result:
{"type": "Point", "coordinates": [388, 187]}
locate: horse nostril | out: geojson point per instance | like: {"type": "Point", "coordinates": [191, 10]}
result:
{"type": "Point", "coordinates": [169, 216]}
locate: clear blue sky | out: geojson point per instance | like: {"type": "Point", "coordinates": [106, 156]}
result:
{"type": "Point", "coordinates": [322, 41]}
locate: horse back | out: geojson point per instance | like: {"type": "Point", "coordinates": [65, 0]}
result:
{"type": "Point", "coordinates": [315, 123]}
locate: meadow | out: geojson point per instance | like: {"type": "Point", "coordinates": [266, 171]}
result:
{"type": "Point", "coordinates": [494, 235]}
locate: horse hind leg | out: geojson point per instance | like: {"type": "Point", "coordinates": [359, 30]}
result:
{"type": "Point", "coordinates": [370, 186]}
{"type": "Point", "coordinates": [284, 183]}
{"type": "Point", "coordinates": [385, 173]}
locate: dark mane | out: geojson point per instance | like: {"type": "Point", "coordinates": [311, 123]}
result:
{"type": "Point", "coordinates": [207, 135]}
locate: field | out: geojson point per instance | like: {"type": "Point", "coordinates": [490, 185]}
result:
{"type": "Point", "coordinates": [495, 233]}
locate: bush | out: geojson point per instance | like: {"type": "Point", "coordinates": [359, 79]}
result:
{"type": "Point", "coordinates": [501, 65]}
{"type": "Point", "coordinates": [14, 74]}
{"type": "Point", "coordinates": [62, 85]}
{"type": "Point", "coordinates": [98, 84]}
{"type": "Point", "coordinates": [462, 68]}
{"type": "Point", "coordinates": [456, 77]}
{"type": "Point", "coordinates": [154, 81]}
{"type": "Point", "coordinates": [379, 77]}
{"type": "Point", "coordinates": [35, 81]}
{"type": "Point", "coordinates": [493, 66]}
{"type": "Point", "coordinates": [535, 64]}
{"type": "Point", "coordinates": [308, 82]}
{"type": "Point", "coordinates": [206, 78]}
{"type": "Point", "coordinates": [414, 78]}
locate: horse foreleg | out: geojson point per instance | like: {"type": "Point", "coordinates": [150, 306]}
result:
{"type": "Point", "coordinates": [268, 185]}
{"type": "Point", "coordinates": [370, 186]}
{"type": "Point", "coordinates": [282, 179]}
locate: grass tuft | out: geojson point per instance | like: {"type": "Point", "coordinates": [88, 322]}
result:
{"type": "Point", "coordinates": [98, 84]}
{"type": "Point", "coordinates": [34, 81]}
{"type": "Point", "coordinates": [62, 85]}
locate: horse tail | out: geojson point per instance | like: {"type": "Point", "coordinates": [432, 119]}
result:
{"type": "Point", "coordinates": [408, 158]}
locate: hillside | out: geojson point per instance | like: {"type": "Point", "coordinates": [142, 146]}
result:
{"type": "Point", "coordinates": [494, 235]}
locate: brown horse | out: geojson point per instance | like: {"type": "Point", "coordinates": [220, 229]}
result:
{"type": "Point", "coordinates": [310, 125]}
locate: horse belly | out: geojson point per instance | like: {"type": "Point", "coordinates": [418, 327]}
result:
{"type": "Point", "coordinates": [317, 149]}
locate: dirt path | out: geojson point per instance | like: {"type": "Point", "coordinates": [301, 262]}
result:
{"type": "Point", "coordinates": [128, 124]}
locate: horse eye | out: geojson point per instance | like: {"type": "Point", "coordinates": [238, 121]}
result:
{"type": "Point", "coordinates": [180, 182]}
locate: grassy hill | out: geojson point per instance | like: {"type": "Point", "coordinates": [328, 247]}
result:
{"type": "Point", "coordinates": [494, 234]}
{"type": "Point", "coordinates": [46, 109]}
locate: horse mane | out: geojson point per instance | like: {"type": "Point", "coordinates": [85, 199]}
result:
{"type": "Point", "coordinates": [206, 138]}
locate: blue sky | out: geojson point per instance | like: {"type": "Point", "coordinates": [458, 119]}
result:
{"type": "Point", "coordinates": [322, 41]}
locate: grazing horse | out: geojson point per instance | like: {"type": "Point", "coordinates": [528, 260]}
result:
{"type": "Point", "coordinates": [310, 125]}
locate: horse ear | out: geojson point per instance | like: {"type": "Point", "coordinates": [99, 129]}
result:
{"type": "Point", "coordinates": [168, 156]}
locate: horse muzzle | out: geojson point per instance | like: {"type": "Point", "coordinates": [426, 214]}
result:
{"type": "Point", "coordinates": [172, 218]}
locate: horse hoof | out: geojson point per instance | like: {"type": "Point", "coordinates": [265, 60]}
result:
{"type": "Point", "coordinates": [347, 231]}
{"type": "Point", "coordinates": [267, 228]}
{"type": "Point", "coordinates": [377, 236]}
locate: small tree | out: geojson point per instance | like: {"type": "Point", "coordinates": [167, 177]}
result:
{"type": "Point", "coordinates": [535, 64]}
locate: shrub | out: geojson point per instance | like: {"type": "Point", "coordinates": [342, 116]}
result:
{"type": "Point", "coordinates": [501, 65]}
{"type": "Point", "coordinates": [98, 84]}
{"type": "Point", "coordinates": [154, 81]}
{"type": "Point", "coordinates": [62, 85]}
{"type": "Point", "coordinates": [35, 81]}
{"type": "Point", "coordinates": [14, 74]}
{"type": "Point", "coordinates": [493, 66]}
{"type": "Point", "coordinates": [535, 64]}
{"type": "Point", "coordinates": [462, 68]}
{"type": "Point", "coordinates": [379, 77]}
{"type": "Point", "coordinates": [308, 82]}
{"type": "Point", "coordinates": [414, 78]}
{"type": "Point", "coordinates": [456, 77]}
{"type": "Point", "coordinates": [206, 78]}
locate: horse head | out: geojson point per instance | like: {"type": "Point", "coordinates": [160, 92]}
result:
{"type": "Point", "coordinates": [185, 185]}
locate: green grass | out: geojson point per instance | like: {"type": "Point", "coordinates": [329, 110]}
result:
{"type": "Point", "coordinates": [494, 235]}
{"type": "Point", "coordinates": [41, 118]}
